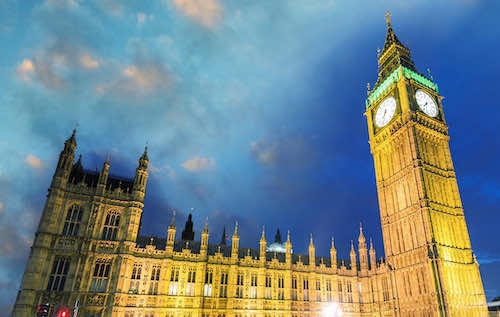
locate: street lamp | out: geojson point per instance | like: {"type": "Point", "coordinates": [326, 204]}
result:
{"type": "Point", "coordinates": [332, 310]}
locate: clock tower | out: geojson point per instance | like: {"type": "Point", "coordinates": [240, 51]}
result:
{"type": "Point", "coordinates": [426, 241]}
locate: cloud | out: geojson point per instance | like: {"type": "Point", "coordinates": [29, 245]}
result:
{"type": "Point", "coordinates": [33, 161]}
{"type": "Point", "coordinates": [61, 3]}
{"type": "Point", "coordinates": [283, 152]}
{"type": "Point", "coordinates": [26, 70]}
{"type": "Point", "coordinates": [158, 170]}
{"type": "Point", "coordinates": [53, 67]}
{"type": "Point", "coordinates": [143, 17]}
{"type": "Point", "coordinates": [139, 79]}
{"type": "Point", "coordinates": [86, 61]}
{"type": "Point", "coordinates": [198, 164]}
{"type": "Point", "coordinates": [205, 12]}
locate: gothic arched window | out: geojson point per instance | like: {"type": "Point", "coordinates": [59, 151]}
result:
{"type": "Point", "coordinates": [72, 221]}
{"type": "Point", "coordinates": [111, 226]}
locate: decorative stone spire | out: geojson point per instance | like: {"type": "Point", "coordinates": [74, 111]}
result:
{"type": "Point", "coordinates": [171, 233]}
{"type": "Point", "coordinates": [262, 249]}
{"type": "Point", "coordinates": [235, 234]}
{"type": "Point", "coordinates": [288, 249]}
{"type": "Point", "coordinates": [204, 238]}
{"type": "Point", "coordinates": [141, 176]}
{"type": "Point", "coordinates": [393, 55]}
{"type": "Point", "coordinates": [66, 158]}
{"type": "Point", "coordinates": [172, 221]}
{"type": "Point", "coordinates": [312, 253]}
{"type": "Point", "coordinates": [205, 226]}
{"type": "Point", "coordinates": [235, 242]}
{"type": "Point", "coordinates": [352, 254]}
{"type": "Point", "coordinates": [103, 175]}
{"type": "Point", "coordinates": [363, 252]}
{"type": "Point", "coordinates": [333, 255]}
{"type": "Point", "coordinates": [373, 257]}
{"type": "Point", "coordinates": [390, 37]}
{"type": "Point", "coordinates": [144, 159]}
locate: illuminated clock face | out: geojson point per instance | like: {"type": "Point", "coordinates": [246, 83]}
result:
{"type": "Point", "coordinates": [385, 112]}
{"type": "Point", "coordinates": [426, 103]}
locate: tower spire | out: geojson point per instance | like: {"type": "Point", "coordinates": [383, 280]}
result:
{"type": "Point", "coordinates": [393, 54]}
{"type": "Point", "coordinates": [188, 233]}
{"type": "Point", "coordinates": [223, 237]}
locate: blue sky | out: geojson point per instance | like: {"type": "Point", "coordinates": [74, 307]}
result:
{"type": "Point", "coordinates": [252, 111]}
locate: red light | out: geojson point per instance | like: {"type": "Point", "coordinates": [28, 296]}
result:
{"type": "Point", "coordinates": [63, 313]}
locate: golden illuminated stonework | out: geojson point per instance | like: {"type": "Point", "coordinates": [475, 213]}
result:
{"type": "Point", "coordinates": [87, 254]}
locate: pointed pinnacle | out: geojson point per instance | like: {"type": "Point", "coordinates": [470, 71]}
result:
{"type": "Point", "coordinates": [205, 227]}
{"type": "Point", "coordinates": [172, 222]}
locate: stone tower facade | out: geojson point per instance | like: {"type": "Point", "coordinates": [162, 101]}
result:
{"type": "Point", "coordinates": [426, 241]}
{"type": "Point", "coordinates": [87, 217]}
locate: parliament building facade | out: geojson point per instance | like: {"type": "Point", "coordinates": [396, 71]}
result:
{"type": "Point", "coordinates": [87, 249]}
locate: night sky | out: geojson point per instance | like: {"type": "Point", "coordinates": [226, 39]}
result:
{"type": "Point", "coordinates": [252, 111]}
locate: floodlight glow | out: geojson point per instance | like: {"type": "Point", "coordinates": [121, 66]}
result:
{"type": "Point", "coordinates": [332, 310]}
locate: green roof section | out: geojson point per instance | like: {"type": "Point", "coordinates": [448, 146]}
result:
{"type": "Point", "coordinates": [394, 77]}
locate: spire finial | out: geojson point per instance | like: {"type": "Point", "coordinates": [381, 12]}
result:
{"type": "Point", "coordinates": [311, 240]}
{"type": "Point", "coordinates": [172, 222]}
{"type": "Point", "coordinates": [263, 236]}
{"type": "Point", "coordinates": [288, 236]}
{"type": "Point", "coordinates": [371, 244]}
{"type": "Point", "coordinates": [429, 74]}
{"type": "Point", "coordinates": [236, 228]}
{"type": "Point", "coordinates": [333, 244]}
{"type": "Point", "coordinates": [205, 227]}
{"type": "Point", "coordinates": [387, 17]}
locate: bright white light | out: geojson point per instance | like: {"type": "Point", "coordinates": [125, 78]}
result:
{"type": "Point", "coordinates": [332, 310]}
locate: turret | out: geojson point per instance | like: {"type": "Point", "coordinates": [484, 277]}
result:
{"type": "Point", "coordinates": [171, 233]}
{"type": "Point", "coordinates": [204, 239]}
{"type": "Point", "coordinates": [363, 252]}
{"type": "Point", "coordinates": [235, 242]}
{"type": "Point", "coordinates": [141, 176]}
{"type": "Point", "coordinates": [262, 250]}
{"type": "Point", "coordinates": [333, 255]}
{"type": "Point", "coordinates": [312, 253]}
{"type": "Point", "coordinates": [65, 162]}
{"type": "Point", "coordinates": [352, 254]}
{"type": "Point", "coordinates": [188, 233]}
{"type": "Point", "coordinates": [373, 257]}
{"type": "Point", "coordinates": [288, 249]}
{"type": "Point", "coordinates": [103, 175]}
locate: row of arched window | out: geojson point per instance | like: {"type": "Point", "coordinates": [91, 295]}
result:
{"type": "Point", "coordinates": [73, 220]}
